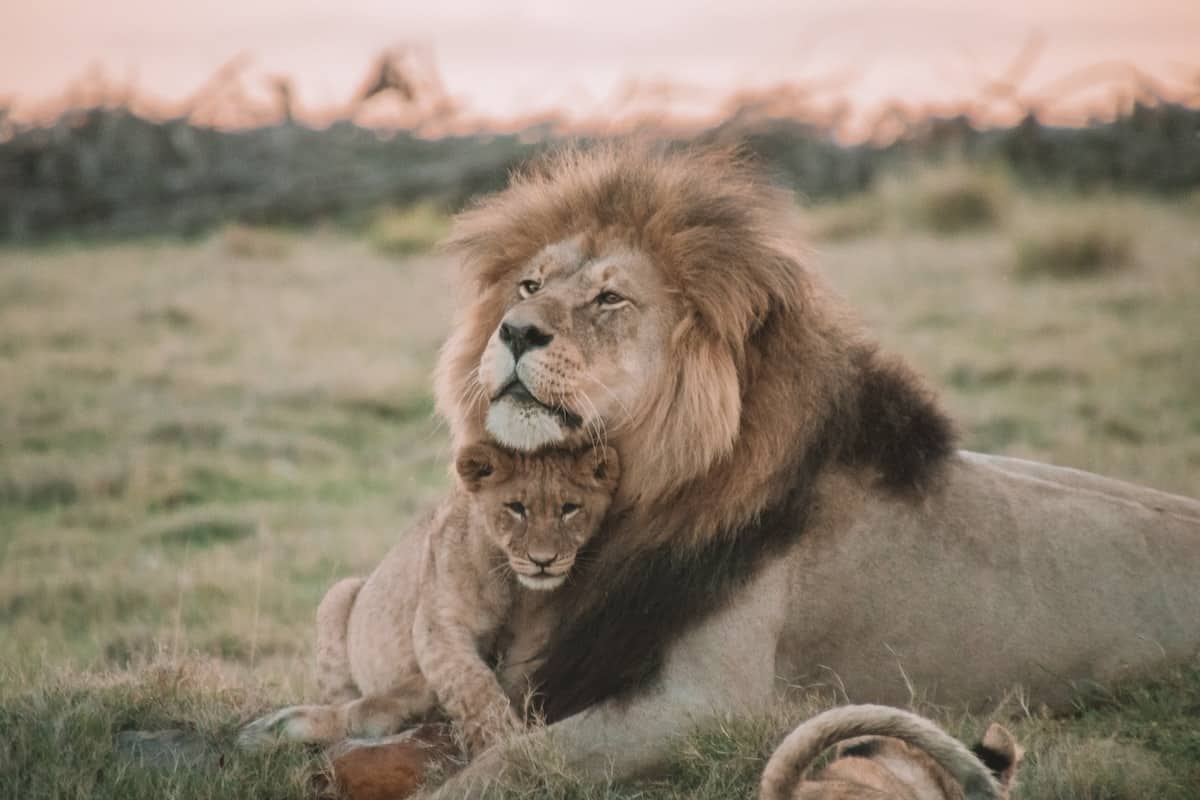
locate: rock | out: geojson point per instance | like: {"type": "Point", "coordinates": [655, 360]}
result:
{"type": "Point", "coordinates": [395, 766]}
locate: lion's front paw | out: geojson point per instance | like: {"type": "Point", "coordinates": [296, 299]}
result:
{"type": "Point", "coordinates": [317, 724]}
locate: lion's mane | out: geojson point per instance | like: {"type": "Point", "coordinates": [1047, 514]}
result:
{"type": "Point", "coordinates": [774, 383]}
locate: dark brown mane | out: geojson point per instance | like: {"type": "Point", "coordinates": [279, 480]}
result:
{"type": "Point", "coordinates": [775, 384]}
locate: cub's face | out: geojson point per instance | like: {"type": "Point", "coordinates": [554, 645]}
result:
{"type": "Point", "coordinates": [581, 344]}
{"type": "Point", "coordinates": [538, 509]}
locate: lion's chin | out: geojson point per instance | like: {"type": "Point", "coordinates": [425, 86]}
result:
{"type": "Point", "coordinates": [524, 426]}
{"type": "Point", "coordinates": [541, 583]}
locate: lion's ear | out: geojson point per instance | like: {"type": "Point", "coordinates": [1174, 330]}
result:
{"type": "Point", "coordinates": [480, 464]}
{"type": "Point", "coordinates": [600, 465]}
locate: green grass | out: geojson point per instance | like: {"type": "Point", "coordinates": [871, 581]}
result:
{"type": "Point", "coordinates": [194, 444]}
{"type": "Point", "coordinates": [70, 724]}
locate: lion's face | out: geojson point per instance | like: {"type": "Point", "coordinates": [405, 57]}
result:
{"type": "Point", "coordinates": [538, 509]}
{"type": "Point", "coordinates": [639, 300]}
{"type": "Point", "coordinates": [581, 342]}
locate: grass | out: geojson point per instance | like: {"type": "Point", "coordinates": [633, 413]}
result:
{"type": "Point", "coordinates": [193, 448]}
{"type": "Point", "coordinates": [946, 200]}
{"type": "Point", "coordinates": [1077, 246]}
{"type": "Point", "coordinates": [407, 231]}
{"type": "Point", "coordinates": [254, 243]}
{"type": "Point", "coordinates": [950, 199]}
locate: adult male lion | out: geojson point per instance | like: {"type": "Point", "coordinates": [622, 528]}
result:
{"type": "Point", "coordinates": [792, 507]}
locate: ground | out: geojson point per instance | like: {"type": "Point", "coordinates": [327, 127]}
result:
{"type": "Point", "coordinates": [197, 438]}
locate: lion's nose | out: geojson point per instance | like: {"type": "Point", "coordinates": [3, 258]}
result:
{"type": "Point", "coordinates": [543, 558]}
{"type": "Point", "coordinates": [520, 338]}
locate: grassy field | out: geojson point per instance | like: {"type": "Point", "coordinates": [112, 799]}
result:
{"type": "Point", "coordinates": [197, 438]}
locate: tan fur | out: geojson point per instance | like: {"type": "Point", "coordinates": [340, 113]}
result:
{"type": "Point", "coordinates": [885, 753]}
{"type": "Point", "coordinates": [466, 589]}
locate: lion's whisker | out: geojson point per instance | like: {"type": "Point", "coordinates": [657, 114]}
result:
{"type": "Point", "coordinates": [628, 415]}
{"type": "Point", "coordinates": [597, 421]}
{"type": "Point", "coordinates": [591, 426]}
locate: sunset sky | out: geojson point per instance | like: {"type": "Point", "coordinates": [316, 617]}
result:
{"type": "Point", "coordinates": [508, 58]}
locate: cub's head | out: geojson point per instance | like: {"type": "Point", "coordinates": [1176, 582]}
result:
{"type": "Point", "coordinates": [539, 509]}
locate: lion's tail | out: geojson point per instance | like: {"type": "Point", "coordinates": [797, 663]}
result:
{"type": "Point", "coordinates": [811, 738]}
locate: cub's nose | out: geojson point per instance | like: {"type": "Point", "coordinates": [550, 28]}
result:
{"type": "Point", "coordinates": [520, 338]}
{"type": "Point", "coordinates": [543, 558]}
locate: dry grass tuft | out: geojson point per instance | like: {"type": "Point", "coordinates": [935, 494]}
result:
{"type": "Point", "coordinates": [846, 220]}
{"type": "Point", "coordinates": [951, 199]}
{"type": "Point", "coordinates": [1069, 766]}
{"type": "Point", "coordinates": [408, 231]}
{"type": "Point", "coordinates": [256, 243]}
{"type": "Point", "coordinates": [1074, 247]}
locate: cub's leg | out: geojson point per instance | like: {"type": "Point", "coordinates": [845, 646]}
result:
{"type": "Point", "coordinates": [366, 717]}
{"type": "Point", "coordinates": [335, 683]}
{"type": "Point", "coordinates": [467, 688]}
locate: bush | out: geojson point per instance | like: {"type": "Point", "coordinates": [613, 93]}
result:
{"type": "Point", "coordinates": [958, 200]}
{"type": "Point", "coordinates": [847, 220]}
{"type": "Point", "coordinates": [1074, 249]}
{"type": "Point", "coordinates": [404, 232]}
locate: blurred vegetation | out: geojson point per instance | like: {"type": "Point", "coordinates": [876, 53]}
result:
{"type": "Point", "coordinates": [109, 172]}
{"type": "Point", "coordinates": [403, 232]}
{"type": "Point", "coordinates": [1065, 246]}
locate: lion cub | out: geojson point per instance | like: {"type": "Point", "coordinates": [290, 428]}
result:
{"type": "Point", "coordinates": [892, 755]}
{"type": "Point", "coordinates": [525, 516]}
{"type": "Point", "coordinates": [515, 520]}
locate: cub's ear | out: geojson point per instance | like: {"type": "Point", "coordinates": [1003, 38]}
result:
{"type": "Point", "coordinates": [600, 465]}
{"type": "Point", "coordinates": [1000, 753]}
{"type": "Point", "coordinates": [481, 464]}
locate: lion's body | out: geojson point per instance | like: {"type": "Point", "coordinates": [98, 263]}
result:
{"type": "Point", "coordinates": [793, 508]}
{"type": "Point", "coordinates": [1010, 573]}
{"type": "Point", "coordinates": [800, 514]}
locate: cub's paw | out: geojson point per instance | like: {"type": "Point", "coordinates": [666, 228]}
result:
{"type": "Point", "coordinates": [314, 724]}
{"type": "Point", "coordinates": [487, 730]}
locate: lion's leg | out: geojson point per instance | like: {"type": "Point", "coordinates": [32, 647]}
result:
{"type": "Point", "coordinates": [335, 683]}
{"type": "Point", "coordinates": [725, 667]}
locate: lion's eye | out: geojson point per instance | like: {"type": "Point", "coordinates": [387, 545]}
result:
{"type": "Point", "coordinates": [528, 288]}
{"type": "Point", "coordinates": [609, 299]}
{"type": "Point", "coordinates": [569, 510]}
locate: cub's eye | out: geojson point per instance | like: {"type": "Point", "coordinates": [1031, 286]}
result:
{"type": "Point", "coordinates": [569, 510]}
{"type": "Point", "coordinates": [516, 509]}
{"type": "Point", "coordinates": [609, 299]}
{"type": "Point", "coordinates": [528, 288]}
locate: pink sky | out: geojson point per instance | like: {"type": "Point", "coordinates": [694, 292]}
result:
{"type": "Point", "coordinates": [508, 58]}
